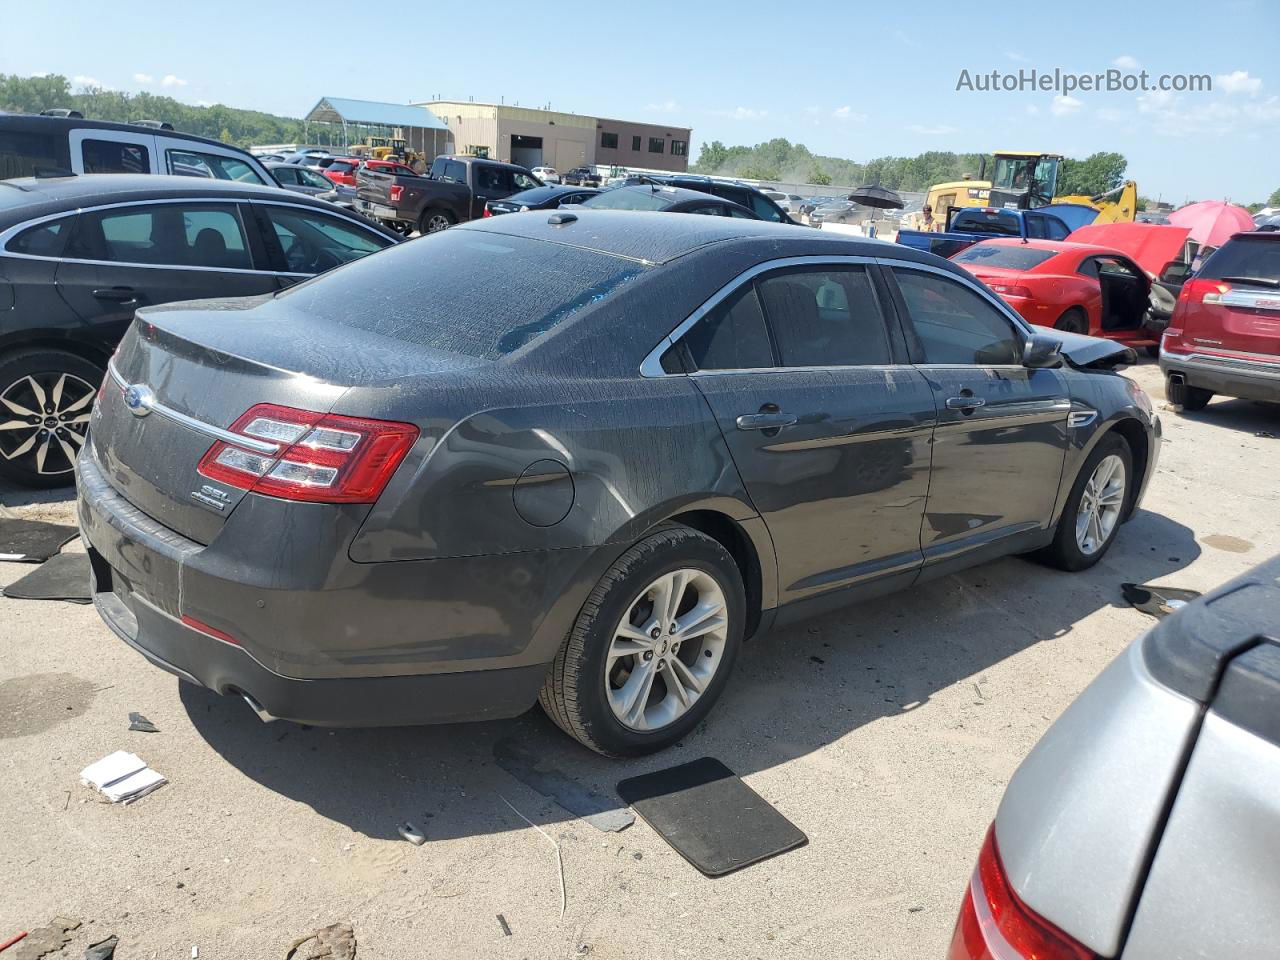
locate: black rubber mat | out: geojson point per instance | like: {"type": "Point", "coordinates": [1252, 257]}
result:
{"type": "Point", "coordinates": [64, 577]}
{"type": "Point", "coordinates": [711, 818]}
{"type": "Point", "coordinates": [32, 541]}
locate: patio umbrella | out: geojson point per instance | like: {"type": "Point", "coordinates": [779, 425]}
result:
{"type": "Point", "coordinates": [1212, 222]}
{"type": "Point", "coordinates": [881, 197]}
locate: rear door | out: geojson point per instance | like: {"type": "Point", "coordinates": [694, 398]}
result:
{"type": "Point", "coordinates": [126, 257]}
{"type": "Point", "coordinates": [827, 423]}
{"type": "Point", "coordinates": [112, 151]}
{"type": "Point", "coordinates": [1001, 439]}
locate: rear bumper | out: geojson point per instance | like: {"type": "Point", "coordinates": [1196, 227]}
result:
{"type": "Point", "coordinates": [319, 638]}
{"type": "Point", "coordinates": [378, 211]}
{"type": "Point", "coordinates": [1232, 376]}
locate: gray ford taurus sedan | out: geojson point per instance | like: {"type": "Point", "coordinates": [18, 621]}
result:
{"type": "Point", "coordinates": [579, 458]}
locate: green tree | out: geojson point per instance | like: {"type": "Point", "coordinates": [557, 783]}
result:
{"type": "Point", "coordinates": [1093, 175]}
{"type": "Point", "coordinates": [1274, 199]}
{"type": "Point", "coordinates": [819, 176]}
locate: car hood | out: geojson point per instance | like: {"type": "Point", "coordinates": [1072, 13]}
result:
{"type": "Point", "coordinates": [1090, 353]}
{"type": "Point", "coordinates": [1151, 245]}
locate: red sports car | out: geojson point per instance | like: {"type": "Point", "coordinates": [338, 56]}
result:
{"type": "Point", "coordinates": [1079, 287]}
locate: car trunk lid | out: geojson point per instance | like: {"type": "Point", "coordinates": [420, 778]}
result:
{"type": "Point", "coordinates": [1233, 303]}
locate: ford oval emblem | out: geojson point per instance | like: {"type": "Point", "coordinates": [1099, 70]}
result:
{"type": "Point", "coordinates": [139, 398]}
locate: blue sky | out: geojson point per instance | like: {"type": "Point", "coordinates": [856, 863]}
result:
{"type": "Point", "coordinates": [737, 72]}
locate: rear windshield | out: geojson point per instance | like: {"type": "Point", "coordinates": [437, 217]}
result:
{"type": "Point", "coordinates": [627, 198]}
{"type": "Point", "coordinates": [1007, 258]}
{"type": "Point", "coordinates": [987, 221]}
{"type": "Point", "coordinates": [440, 292]}
{"type": "Point", "coordinates": [1245, 257]}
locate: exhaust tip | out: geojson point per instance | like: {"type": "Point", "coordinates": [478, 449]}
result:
{"type": "Point", "coordinates": [257, 708]}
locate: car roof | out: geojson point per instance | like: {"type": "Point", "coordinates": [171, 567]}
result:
{"type": "Point", "coordinates": [28, 197]}
{"type": "Point", "coordinates": [39, 124]}
{"type": "Point", "coordinates": [655, 237]}
{"type": "Point", "coordinates": [675, 194]}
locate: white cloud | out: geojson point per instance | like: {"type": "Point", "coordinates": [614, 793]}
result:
{"type": "Point", "coordinates": [1126, 62]}
{"type": "Point", "coordinates": [742, 113]}
{"type": "Point", "coordinates": [846, 113]}
{"type": "Point", "coordinates": [143, 78]}
{"type": "Point", "coordinates": [1110, 115]}
{"type": "Point", "coordinates": [80, 80]}
{"type": "Point", "coordinates": [1016, 57]}
{"type": "Point", "coordinates": [666, 106]}
{"type": "Point", "coordinates": [937, 130]}
{"type": "Point", "coordinates": [170, 80]}
{"type": "Point", "coordinates": [1238, 81]}
{"type": "Point", "coordinates": [1157, 101]}
{"type": "Point", "coordinates": [1064, 105]}
{"type": "Point", "coordinates": [1216, 118]}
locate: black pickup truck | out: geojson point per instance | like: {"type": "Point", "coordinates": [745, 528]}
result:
{"type": "Point", "coordinates": [454, 190]}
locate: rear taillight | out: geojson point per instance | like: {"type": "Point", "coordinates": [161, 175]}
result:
{"type": "Point", "coordinates": [1010, 290]}
{"type": "Point", "coordinates": [320, 458]}
{"type": "Point", "coordinates": [995, 925]}
{"type": "Point", "coordinates": [1203, 291]}
{"type": "Point", "coordinates": [487, 211]}
{"type": "Point", "coordinates": [394, 192]}
{"type": "Point", "coordinates": [201, 627]}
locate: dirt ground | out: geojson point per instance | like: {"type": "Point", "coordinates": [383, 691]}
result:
{"type": "Point", "coordinates": [886, 732]}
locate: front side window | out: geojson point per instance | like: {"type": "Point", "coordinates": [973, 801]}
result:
{"type": "Point", "coordinates": [732, 336]}
{"type": "Point", "coordinates": [657, 145]}
{"type": "Point", "coordinates": [826, 316]}
{"type": "Point", "coordinates": [523, 181]}
{"type": "Point", "coordinates": [955, 325]}
{"type": "Point", "coordinates": [1035, 226]}
{"type": "Point", "coordinates": [679, 148]}
{"type": "Point", "coordinates": [313, 242]}
{"type": "Point", "coordinates": [176, 235]}
{"type": "Point", "coordinates": [45, 240]}
{"type": "Point", "coordinates": [609, 140]}
{"type": "Point", "coordinates": [115, 156]}
{"type": "Point", "coordinates": [192, 163]}
{"type": "Point", "coordinates": [309, 178]}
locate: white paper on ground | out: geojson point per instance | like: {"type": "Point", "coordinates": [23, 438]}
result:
{"type": "Point", "coordinates": [131, 788]}
{"type": "Point", "coordinates": [12, 556]}
{"type": "Point", "coordinates": [109, 769]}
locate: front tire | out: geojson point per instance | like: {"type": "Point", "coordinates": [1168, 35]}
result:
{"type": "Point", "coordinates": [46, 397]}
{"type": "Point", "coordinates": [1095, 507]}
{"type": "Point", "coordinates": [652, 648]}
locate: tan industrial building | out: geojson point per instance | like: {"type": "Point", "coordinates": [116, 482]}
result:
{"type": "Point", "coordinates": [533, 137]}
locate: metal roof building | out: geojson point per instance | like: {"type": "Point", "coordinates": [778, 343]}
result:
{"type": "Point", "coordinates": [339, 122]}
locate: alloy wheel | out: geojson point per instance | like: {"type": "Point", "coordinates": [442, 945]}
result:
{"type": "Point", "coordinates": [666, 649]}
{"type": "Point", "coordinates": [1100, 505]}
{"type": "Point", "coordinates": [437, 223]}
{"type": "Point", "coordinates": [43, 421]}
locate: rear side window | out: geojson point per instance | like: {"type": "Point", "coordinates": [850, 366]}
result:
{"type": "Point", "coordinates": [439, 292]}
{"type": "Point", "coordinates": [732, 336]}
{"type": "Point", "coordinates": [45, 240]}
{"type": "Point", "coordinates": [286, 175]}
{"type": "Point", "coordinates": [765, 208]}
{"type": "Point", "coordinates": [214, 166]}
{"type": "Point", "coordinates": [25, 154]}
{"type": "Point", "coordinates": [1055, 229]}
{"type": "Point", "coordinates": [989, 254]}
{"type": "Point", "coordinates": [203, 235]}
{"type": "Point", "coordinates": [955, 325]}
{"type": "Point", "coordinates": [826, 317]}
{"type": "Point", "coordinates": [1244, 257]}
{"type": "Point", "coordinates": [114, 156]}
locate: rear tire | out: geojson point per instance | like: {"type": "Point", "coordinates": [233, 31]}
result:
{"type": "Point", "coordinates": [46, 397]}
{"type": "Point", "coordinates": [1077, 544]}
{"type": "Point", "coordinates": [587, 687]}
{"type": "Point", "coordinates": [1073, 321]}
{"type": "Point", "coordinates": [1185, 396]}
{"type": "Point", "coordinates": [433, 221]}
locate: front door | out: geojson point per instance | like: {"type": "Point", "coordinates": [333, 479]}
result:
{"type": "Point", "coordinates": [124, 258]}
{"type": "Point", "coordinates": [828, 429]}
{"type": "Point", "coordinates": [1001, 438]}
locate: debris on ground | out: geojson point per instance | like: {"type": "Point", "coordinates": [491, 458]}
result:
{"type": "Point", "coordinates": [334, 942]}
{"type": "Point", "coordinates": [64, 577]}
{"type": "Point", "coordinates": [33, 541]}
{"type": "Point", "coordinates": [12, 940]}
{"type": "Point", "coordinates": [122, 777]}
{"type": "Point", "coordinates": [564, 897]}
{"type": "Point", "coordinates": [1156, 600]}
{"type": "Point", "coordinates": [140, 723]}
{"type": "Point", "coordinates": [45, 940]}
{"type": "Point", "coordinates": [103, 949]}
{"type": "Point", "coordinates": [412, 834]}
{"type": "Point", "coordinates": [1265, 435]}
{"type": "Point", "coordinates": [527, 766]}
{"type": "Point", "coordinates": [506, 927]}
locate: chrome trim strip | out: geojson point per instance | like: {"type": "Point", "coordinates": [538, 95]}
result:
{"type": "Point", "coordinates": [9, 233]}
{"type": "Point", "coordinates": [199, 426]}
{"type": "Point", "coordinates": [1206, 361]}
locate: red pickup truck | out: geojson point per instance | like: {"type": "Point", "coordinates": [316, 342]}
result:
{"type": "Point", "coordinates": [343, 170]}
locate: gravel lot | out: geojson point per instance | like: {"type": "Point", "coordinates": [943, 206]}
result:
{"type": "Point", "coordinates": [886, 732]}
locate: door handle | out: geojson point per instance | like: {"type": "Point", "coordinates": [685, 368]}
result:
{"type": "Point", "coordinates": [965, 403]}
{"type": "Point", "coordinates": [116, 294]}
{"type": "Point", "coordinates": [766, 421]}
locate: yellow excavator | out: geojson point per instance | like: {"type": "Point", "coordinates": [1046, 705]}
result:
{"type": "Point", "coordinates": [1023, 180]}
{"type": "Point", "coordinates": [389, 148]}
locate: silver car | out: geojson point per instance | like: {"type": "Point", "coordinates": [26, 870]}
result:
{"type": "Point", "coordinates": [1145, 825]}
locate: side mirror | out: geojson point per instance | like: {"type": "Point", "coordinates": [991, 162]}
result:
{"type": "Point", "coordinates": [1041, 352]}
{"type": "Point", "coordinates": [1175, 272]}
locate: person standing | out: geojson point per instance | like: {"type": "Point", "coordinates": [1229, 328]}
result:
{"type": "Point", "coordinates": [927, 223]}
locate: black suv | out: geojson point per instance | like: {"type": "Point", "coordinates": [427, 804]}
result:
{"type": "Point", "coordinates": [741, 193]}
{"type": "Point", "coordinates": [35, 146]}
{"type": "Point", "coordinates": [79, 254]}
{"type": "Point", "coordinates": [581, 177]}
